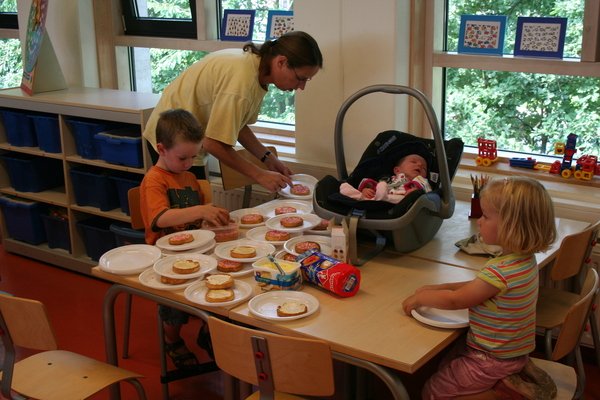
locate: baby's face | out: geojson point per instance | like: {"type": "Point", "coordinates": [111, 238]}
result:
{"type": "Point", "coordinates": [412, 166]}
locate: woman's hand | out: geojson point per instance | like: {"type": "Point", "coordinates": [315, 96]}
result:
{"type": "Point", "coordinates": [273, 181]}
{"type": "Point", "coordinates": [275, 164]}
{"type": "Point", "coordinates": [409, 304]}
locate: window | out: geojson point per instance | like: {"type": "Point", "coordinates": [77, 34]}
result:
{"type": "Point", "coordinates": [526, 105]}
{"type": "Point", "coordinates": [11, 65]}
{"type": "Point", "coordinates": [154, 68]}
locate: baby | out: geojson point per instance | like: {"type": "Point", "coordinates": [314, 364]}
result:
{"type": "Point", "coordinates": [410, 174]}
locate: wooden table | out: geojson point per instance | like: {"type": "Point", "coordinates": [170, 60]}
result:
{"type": "Point", "coordinates": [442, 249]}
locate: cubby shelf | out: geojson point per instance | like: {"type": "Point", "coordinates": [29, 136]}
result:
{"type": "Point", "coordinates": [98, 104]}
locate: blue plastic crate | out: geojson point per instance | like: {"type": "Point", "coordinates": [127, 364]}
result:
{"type": "Point", "coordinates": [84, 131]}
{"type": "Point", "coordinates": [94, 189]}
{"type": "Point", "coordinates": [121, 146]}
{"type": "Point", "coordinates": [123, 184]}
{"type": "Point", "coordinates": [23, 219]}
{"type": "Point", "coordinates": [97, 236]}
{"type": "Point", "coordinates": [125, 235]}
{"type": "Point", "coordinates": [19, 128]}
{"type": "Point", "coordinates": [47, 132]}
{"type": "Point", "coordinates": [57, 231]}
{"type": "Point", "coordinates": [29, 173]}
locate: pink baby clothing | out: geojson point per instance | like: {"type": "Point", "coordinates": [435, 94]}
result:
{"type": "Point", "coordinates": [392, 191]}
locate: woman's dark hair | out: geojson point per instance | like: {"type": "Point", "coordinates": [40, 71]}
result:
{"type": "Point", "coordinates": [177, 123]}
{"type": "Point", "coordinates": [300, 49]}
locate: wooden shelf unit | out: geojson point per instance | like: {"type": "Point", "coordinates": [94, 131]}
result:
{"type": "Point", "coordinates": [98, 104]}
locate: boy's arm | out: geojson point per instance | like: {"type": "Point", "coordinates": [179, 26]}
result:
{"type": "Point", "coordinates": [179, 216]}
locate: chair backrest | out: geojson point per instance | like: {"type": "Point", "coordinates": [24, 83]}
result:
{"type": "Point", "coordinates": [574, 252]}
{"type": "Point", "coordinates": [573, 326]}
{"type": "Point", "coordinates": [133, 198]}
{"type": "Point", "coordinates": [233, 179]}
{"type": "Point", "coordinates": [27, 323]}
{"type": "Point", "coordinates": [298, 366]}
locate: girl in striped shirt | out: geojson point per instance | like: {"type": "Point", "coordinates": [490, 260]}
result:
{"type": "Point", "coordinates": [518, 215]}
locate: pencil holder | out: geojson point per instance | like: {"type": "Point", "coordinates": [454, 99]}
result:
{"type": "Point", "coordinates": [475, 207]}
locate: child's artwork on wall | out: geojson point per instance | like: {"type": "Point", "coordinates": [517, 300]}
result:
{"type": "Point", "coordinates": [237, 25]}
{"type": "Point", "coordinates": [278, 23]}
{"type": "Point", "coordinates": [540, 37]}
{"type": "Point", "coordinates": [482, 34]}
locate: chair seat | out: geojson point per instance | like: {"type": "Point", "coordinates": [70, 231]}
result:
{"type": "Point", "coordinates": [81, 376]}
{"type": "Point", "coordinates": [552, 306]}
{"type": "Point", "coordinates": [278, 396]}
{"type": "Point", "coordinates": [564, 376]}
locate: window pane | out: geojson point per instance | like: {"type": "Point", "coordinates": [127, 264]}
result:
{"type": "Point", "coordinates": [11, 63]}
{"type": "Point", "coordinates": [8, 6]}
{"type": "Point", "coordinates": [171, 9]}
{"type": "Point", "coordinates": [156, 68]}
{"type": "Point", "coordinates": [523, 112]}
{"type": "Point", "coordinates": [571, 9]}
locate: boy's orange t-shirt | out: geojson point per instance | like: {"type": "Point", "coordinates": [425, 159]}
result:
{"type": "Point", "coordinates": [162, 190]}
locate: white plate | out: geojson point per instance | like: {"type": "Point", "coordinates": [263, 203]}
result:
{"type": "Point", "coordinates": [164, 266]}
{"type": "Point", "coordinates": [258, 235]}
{"type": "Point", "coordinates": [196, 293]}
{"type": "Point", "coordinates": [265, 305]}
{"type": "Point", "coordinates": [152, 279]}
{"type": "Point", "coordinates": [308, 221]}
{"type": "Point", "coordinates": [198, 250]}
{"type": "Point", "coordinates": [223, 250]}
{"type": "Point", "coordinates": [201, 237]}
{"type": "Point", "coordinates": [302, 179]}
{"type": "Point", "coordinates": [442, 318]}
{"type": "Point", "coordinates": [302, 207]}
{"type": "Point", "coordinates": [324, 242]}
{"type": "Point", "coordinates": [238, 214]}
{"type": "Point", "coordinates": [130, 259]}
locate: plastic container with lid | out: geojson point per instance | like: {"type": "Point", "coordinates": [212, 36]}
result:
{"type": "Point", "coordinates": [269, 278]}
{"type": "Point", "coordinates": [225, 233]}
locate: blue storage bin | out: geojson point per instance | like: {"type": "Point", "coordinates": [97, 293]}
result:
{"type": "Point", "coordinates": [23, 219]}
{"type": "Point", "coordinates": [29, 173]}
{"type": "Point", "coordinates": [97, 236]}
{"type": "Point", "coordinates": [94, 189]}
{"type": "Point", "coordinates": [125, 235]}
{"type": "Point", "coordinates": [84, 131]}
{"type": "Point", "coordinates": [47, 132]}
{"type": "Point", "coordinates": [19, 128]}
{"type": "Point", "coordinates": [123, 184]}
{"type": "Point", "coordinates": [121, 146]}
{"type": "Point", "coordinates": [57, 231]}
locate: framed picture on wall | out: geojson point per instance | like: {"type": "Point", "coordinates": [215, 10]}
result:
{"type": "Point", "coordinates": [481, 34]}
{"type": "Point", "coordinates": [278, 23]}
{"type": "Point", "coordinates": [540, 37]}
{"type": "Point", "coordinates": [237, 25]}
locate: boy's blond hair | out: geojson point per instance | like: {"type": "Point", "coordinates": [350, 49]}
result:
{"type": "Point", "coordinates": [177, 123]}
{"type": "Point", "coordinates": [526, 214]}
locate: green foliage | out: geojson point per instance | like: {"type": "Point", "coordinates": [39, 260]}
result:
{"type": "Point", "coordinates": [11, 63]}
{"type": "Point", "coordinates": [522, 112]}
{"type": "Point", "coordinates": [8, 6]}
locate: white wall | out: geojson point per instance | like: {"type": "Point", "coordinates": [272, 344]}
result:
{"type": "Point", "coordinates": [362, 43]}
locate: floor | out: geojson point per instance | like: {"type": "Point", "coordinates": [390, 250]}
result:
{"type": "Point", "coordinates": [74, 303]}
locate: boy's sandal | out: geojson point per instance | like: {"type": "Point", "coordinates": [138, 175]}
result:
{"type": "Point", "coordinates": [181, 356]}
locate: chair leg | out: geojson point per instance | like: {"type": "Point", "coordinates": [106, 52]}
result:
{"type": "Point", "coordinates": [163, 359]}
{"type": "Point", "coordinates": [580, 374]}
{"type": "Point", "coordinates": [247, 194]}
{"type": "Point", "coordinates": [138, 388]}
{"type": "Point", "coordinates": [595, 334]}
{"type": "Point", "coordinates": [127, 324]}
{"type": "Point", "coordinates": [548, 343]}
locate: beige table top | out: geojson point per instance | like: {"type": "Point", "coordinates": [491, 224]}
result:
{"type": "Point", "coordinates": [371, 325]}
{"type": "Point", "coordinates": [442, 249]}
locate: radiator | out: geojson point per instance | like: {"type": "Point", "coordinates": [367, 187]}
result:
{"type": "Point", "coordinates": [233, 199]}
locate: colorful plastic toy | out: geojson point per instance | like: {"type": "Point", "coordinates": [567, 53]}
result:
{"type": "Point", "coordinates": [487, 152]}
{"type": "Point", "coordinates": [523, 162]}
{"type": "Point", "coordinates": [565, 168]}
{"type": "Point", "coordinates": [586, 167]}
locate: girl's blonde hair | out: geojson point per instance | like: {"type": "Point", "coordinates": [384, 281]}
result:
{"type": "Point", "coordinates": [526, 214]}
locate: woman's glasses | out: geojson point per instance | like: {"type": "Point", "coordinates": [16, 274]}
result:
{"type": "Point", "coordinates": [299, 79]}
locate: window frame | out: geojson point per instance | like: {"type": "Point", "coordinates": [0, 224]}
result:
{"type": "Point", "coordinates": [158, 27]}
{"type": "Point", "coordinates": [9, 20]}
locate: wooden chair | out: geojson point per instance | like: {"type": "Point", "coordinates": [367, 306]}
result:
{"type": "Point", "coordinates": [281, 366]}
{"type": "Point", "coordinates": [51, 373]}
{"type": "Point", "coordinates": [569, 381]}
{"type": "Point", "coordinates": [233, 179]}
{"type": "Point", "coordinates": [554, 303]}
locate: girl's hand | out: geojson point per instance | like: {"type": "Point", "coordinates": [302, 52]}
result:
{"type": "Point", "coordinates": [409, 304]}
